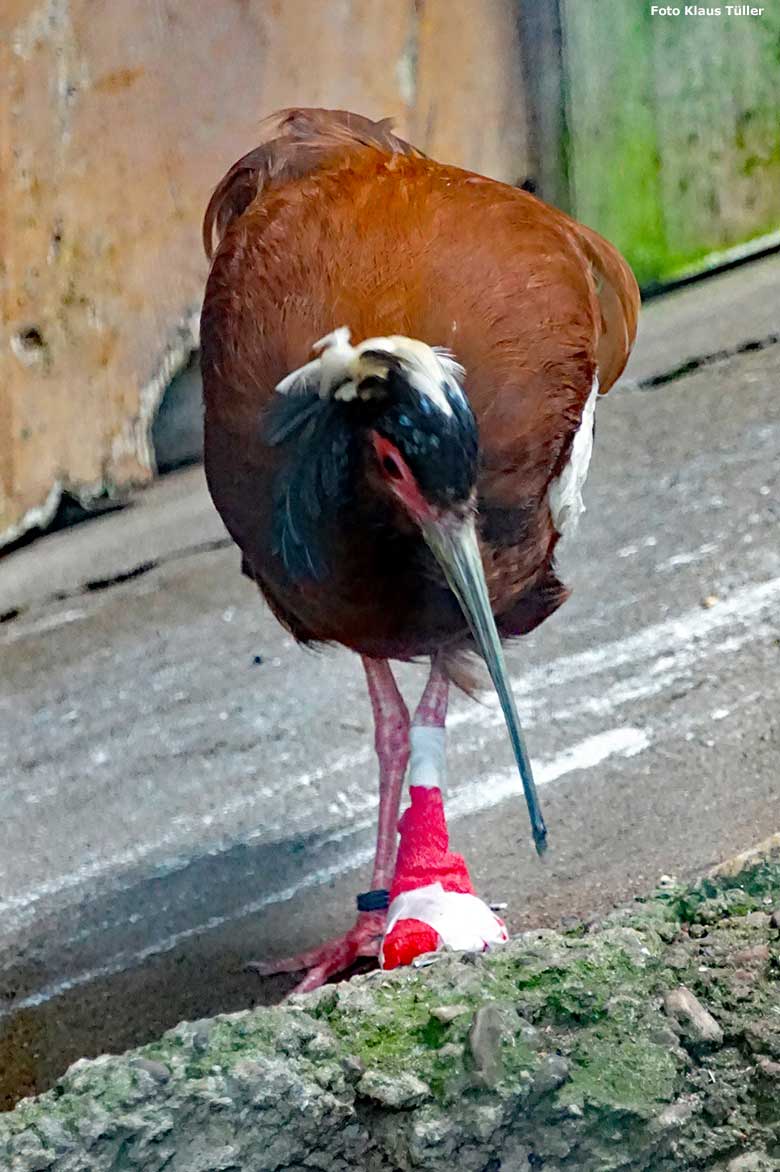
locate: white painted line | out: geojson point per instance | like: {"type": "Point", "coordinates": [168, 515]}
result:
{"type": "Point", "coordinates": [696, 625]}
{"type": "Point", "coordinates": [47, 623]}
{"type": "Point", "coordinates": [498, 787]}
{"type": "Point", "coordinates": [686, 559]}
{"type": "Point", "coordinates": [586, 754]}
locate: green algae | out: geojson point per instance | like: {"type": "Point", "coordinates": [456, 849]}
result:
{"type": "Point", "coordinates": [620, 1073]}
{"type": "Point", "coordinates": [754, 888]}
{"type": "Point", "coordinates": [396, 1032]}
{"type": "Point", "coordinates": [578, 987]}
{"type": "Point", "coordinates": [216, 1045]}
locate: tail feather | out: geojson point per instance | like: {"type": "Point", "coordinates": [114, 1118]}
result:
{"type": "Point", "coordinates": [296, 142]}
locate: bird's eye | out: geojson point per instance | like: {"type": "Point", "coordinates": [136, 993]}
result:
{"type": "Point", "coordinates": [390, 461]}
{"type": "Point", "coordinates": [392, 468]}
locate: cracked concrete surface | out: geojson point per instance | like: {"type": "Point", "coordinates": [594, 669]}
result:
{"type": "Point", "coordinates": [186, 790]}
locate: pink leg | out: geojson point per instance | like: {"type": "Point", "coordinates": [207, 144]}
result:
{"type": "Point", "coordinates": [391, 722]}
{"type": "Point", "coordinates": [432, 709]}
{"type": "Point", "coordinates": [391, 725]}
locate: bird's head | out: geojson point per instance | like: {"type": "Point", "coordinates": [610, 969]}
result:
{"type": "Point", "coordinates": [406, 400]}
{"type": "Point", "coordinates": [396, 407]}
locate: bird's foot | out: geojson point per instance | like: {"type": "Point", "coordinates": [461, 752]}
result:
{"type": "Point", "coordinates": [336, 956]}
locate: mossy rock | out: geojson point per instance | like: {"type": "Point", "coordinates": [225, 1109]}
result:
{"type": "Point", "coordinates": [554, 1052]}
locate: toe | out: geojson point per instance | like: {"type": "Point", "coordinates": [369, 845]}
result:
{"type": "Point", "coordinates": [327, 960]}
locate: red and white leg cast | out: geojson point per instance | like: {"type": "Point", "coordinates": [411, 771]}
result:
{"type": "Point", "coordinates": [432, 901]}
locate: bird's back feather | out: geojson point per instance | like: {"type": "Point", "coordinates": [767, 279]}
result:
{"type": "Point", "coordinates": [299, 142]}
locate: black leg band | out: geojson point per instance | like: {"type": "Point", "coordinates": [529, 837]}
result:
{"type": "Point", "coordinates": [374, 901]}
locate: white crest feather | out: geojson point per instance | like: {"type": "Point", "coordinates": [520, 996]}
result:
{"type": "Point", "coordinates": [340, 367]}
{"type": "Point", "coordinates": [336, 354]}
{"type": "Point", "coordinates": [450, 363]}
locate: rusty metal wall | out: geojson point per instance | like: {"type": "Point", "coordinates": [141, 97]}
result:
{"type": "Point", "coordinates": [116, 121]}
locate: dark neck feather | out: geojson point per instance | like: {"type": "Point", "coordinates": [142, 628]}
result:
{"type": "Point", "coordinates": [313, 484]}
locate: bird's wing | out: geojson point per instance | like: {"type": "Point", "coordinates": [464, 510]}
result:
{"type": "Point", "coordinates": [296, 142]}
{"type": "Point", "coordinates": [618, 296]}
{"type": "Point", "coordinates": [616, 290]}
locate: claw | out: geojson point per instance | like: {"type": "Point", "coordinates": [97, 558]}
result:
{"type": "Point", "coordinates": [325, 961]}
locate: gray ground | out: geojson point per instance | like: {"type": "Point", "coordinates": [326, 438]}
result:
{"type": "Point", "coordinates": [173, 808]}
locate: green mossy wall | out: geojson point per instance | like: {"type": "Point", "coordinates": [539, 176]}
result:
{"type": "Point", "coordinates": [673, 130]}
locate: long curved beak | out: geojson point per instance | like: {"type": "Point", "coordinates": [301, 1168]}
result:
{"type": "Point", "coordinates": [453, 542]}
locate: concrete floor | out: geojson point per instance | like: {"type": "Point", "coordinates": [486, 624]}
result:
{"type": "Point", "coordinates": [186, 790]}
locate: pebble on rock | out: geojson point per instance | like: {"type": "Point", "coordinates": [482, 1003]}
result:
{"type": "Point", "coordinates": [695, 1022]}
{"type": "Point", "coordinates": [485, 1043]}
{"type": "Point", "coordinates": [398, 1090]}
{"type": "Point", "coordinates": [448, 1013]}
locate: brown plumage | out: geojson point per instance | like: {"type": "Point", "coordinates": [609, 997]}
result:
{"type": "Point", "coordinates": [333, 221]}
{"type": "Point", "coordinates": [336, 221]}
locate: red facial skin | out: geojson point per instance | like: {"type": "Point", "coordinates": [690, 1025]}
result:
{"type": "Point", "coordinates": [398, 476]}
